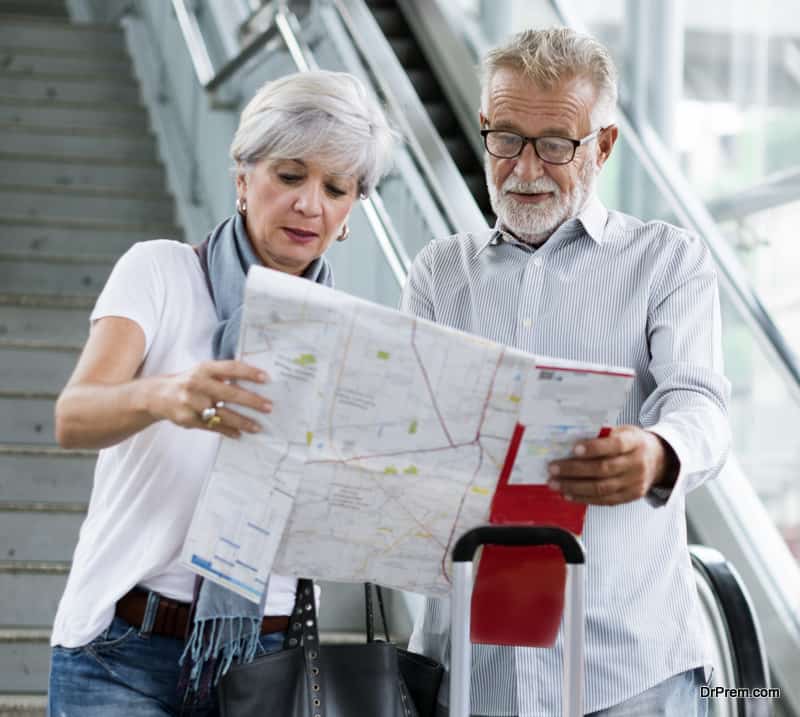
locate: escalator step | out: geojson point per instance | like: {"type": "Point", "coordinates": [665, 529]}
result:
{"type": "Point", "coordinates": [476, 183]}
{"type": "Point", "coordinates": [407, 51]}
{"type": "Point", "coordinates": [391, 21]}
{"type": "Point", "coordinates": [425, 84]}
{"type": "Point", "coordinates": [442, 117]}
{"type": "Point", "coordinates": [461, 152]}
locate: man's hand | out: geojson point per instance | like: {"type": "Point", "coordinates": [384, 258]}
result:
{"type": "Point", "coordinates": [617, 469]}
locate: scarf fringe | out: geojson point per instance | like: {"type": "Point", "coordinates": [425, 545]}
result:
{"type": "Point", "coordinates": [213, 646]}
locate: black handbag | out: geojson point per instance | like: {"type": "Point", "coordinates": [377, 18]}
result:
{"type": "Point", "coordinates": [375, 679]}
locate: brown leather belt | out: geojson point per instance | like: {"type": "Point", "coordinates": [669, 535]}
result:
{"type": "Point", "coordinates": [171, 615]}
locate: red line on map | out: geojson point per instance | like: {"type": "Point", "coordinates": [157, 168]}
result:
{"type": "Point", "coordinates": [458, 515]}
{"type": "Point", "coordinates": [628, 374]}
{"type": "Point", "coordinates": [428, 383]}
{"type": "Point", "coordinates": [392, 453]}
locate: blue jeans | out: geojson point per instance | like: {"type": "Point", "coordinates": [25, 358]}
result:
{"type": "Point", "coordinates": [679, 696]}
{"type": "Point", "coordinates": [126, 672]}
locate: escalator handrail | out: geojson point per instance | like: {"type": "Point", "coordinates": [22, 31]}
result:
{"type": "Point", "coordinates": [693, 214]}
{"type": "Point", "coordinates": [744, 632]}
{"type": "Point", "coordinates": [195, 44]}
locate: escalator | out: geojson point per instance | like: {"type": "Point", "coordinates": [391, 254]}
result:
{"type": "Point", "coordinates": [398, 32]}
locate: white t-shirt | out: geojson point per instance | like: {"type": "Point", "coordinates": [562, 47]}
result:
{"type": "Point", "coordinates": [146, 487]}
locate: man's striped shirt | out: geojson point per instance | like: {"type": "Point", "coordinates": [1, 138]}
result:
{"type": "Point", "coordinates": [610, 289]}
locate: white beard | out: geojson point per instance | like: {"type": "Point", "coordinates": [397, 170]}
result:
{"type": "Point", "coordinates": [534, 223]}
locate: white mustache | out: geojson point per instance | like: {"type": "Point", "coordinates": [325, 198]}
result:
{"type": "Point", "coordinates": [541, 185]}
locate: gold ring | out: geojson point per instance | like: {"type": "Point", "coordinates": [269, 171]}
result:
{"type": "Point", "coordinates": [209, 417]}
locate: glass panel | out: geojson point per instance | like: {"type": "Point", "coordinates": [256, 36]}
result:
{"type": "Point", "coordinates": [738, 100]}
{"type": "Point", "coordinates": [766, 242]}
{"type": "Point", "coordinates": [735, 118]}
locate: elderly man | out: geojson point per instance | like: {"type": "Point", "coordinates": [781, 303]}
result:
{"type": "Point", "coordinates": [560, 275]}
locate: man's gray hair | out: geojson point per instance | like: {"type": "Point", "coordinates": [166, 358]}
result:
{"type": "Point", "coordinates": [323, 116]}
{"type": "Point", "coordinates": [550, 56]}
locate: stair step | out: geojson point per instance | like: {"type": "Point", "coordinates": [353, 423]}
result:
{"type": "Point", "coordinates": [31, 591]}
{"type": "Point", "coordinates": [29, 60]}
{"type": "Point", "coordinates": [39, 535]}
{"type": "Point", "coordinates": [51, 276]}
{"type": "Point", "coordinates": [146, 230]}
{"type": "Point", "coordinates": [47, 34]}
{"type": "Point", "coordinates": [24, 660]}
{"type": "Point", "coordinates": [55, 204]}
{"type": "Point", "coordinates": [55, 144]}
{"type": "Point", "coordinates": [36, 369]}
{"type": "Point", "coordinates": [36, 474]}
{"type": "Point", "coordinates": [83, 89]}
{"type": "Point", "coordinates": [23, 705]}
{"type": "Point", "coordinates": [26, 420]}
{"type": "Point", "coordinates": [79, 192]}
{"type": "Point", "coordinates": [87, 117]}
{"type": "Point", "coordinates": [50, 8]}
{"type": "Point", "coordinates": [48, 301]}
{"type": "Point", "coordinates": [84, 175]}
{"type": "Point", "coordinates": [52, 238]}
{"type": "Point", "coordinates": [68, 326]}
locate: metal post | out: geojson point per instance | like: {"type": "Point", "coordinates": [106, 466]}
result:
{"type": "Point", "coordinates": [573, 641]}
{"type": "Point", "coordinates": [460, 648]}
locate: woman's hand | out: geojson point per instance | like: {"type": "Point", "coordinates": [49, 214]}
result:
{"type": "Point", "coordinates": [106, 400]}
{"type": "Point", "coordinates": [183, 398]}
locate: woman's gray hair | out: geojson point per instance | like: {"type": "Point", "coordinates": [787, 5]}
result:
{"type": "Point", "coordinates": [549, 56]}
{"type": "Point", "coordinates": [323, 116]}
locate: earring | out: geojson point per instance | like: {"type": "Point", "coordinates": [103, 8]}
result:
{"type": "Point", "coordinates": [241, 205]}
{"type": "Point", "coordinates": [345, 233]}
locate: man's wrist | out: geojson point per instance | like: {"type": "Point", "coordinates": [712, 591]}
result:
{"type": "Point", "coordinates": [670, 466]}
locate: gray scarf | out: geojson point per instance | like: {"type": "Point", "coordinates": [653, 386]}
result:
{"type": "Point", "coordinates": [225, 626]}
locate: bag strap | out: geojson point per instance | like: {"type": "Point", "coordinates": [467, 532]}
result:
{"type": "Point", "coordinates": [370, 613]}
{"type": "Point", "coordinates": [303, 629]}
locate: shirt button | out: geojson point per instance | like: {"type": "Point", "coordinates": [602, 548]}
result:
{"type": "Point", "coordinates": [527, 323]}
{"type": "Point", "coordinates": [537, 262]}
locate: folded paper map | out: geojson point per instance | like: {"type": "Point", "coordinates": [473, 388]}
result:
{"type": "Point", "coordinates": [386, 440]}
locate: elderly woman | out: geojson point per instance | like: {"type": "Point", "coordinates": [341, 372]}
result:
{"type": "Point", "coordinates": [156, 386]}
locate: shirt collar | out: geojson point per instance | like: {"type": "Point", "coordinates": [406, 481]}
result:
{"type": "Point", "coordinates": [592, 218]}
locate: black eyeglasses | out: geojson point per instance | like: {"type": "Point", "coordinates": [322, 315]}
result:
{"type": "Point", "coordinates": [503, 144]}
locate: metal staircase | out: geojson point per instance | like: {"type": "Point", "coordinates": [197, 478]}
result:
{"type": "Point", "coordinates": [80, 181]}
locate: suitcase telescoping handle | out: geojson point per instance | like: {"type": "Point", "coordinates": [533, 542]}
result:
{"type": "Point", "coordinates": [519, 535]}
